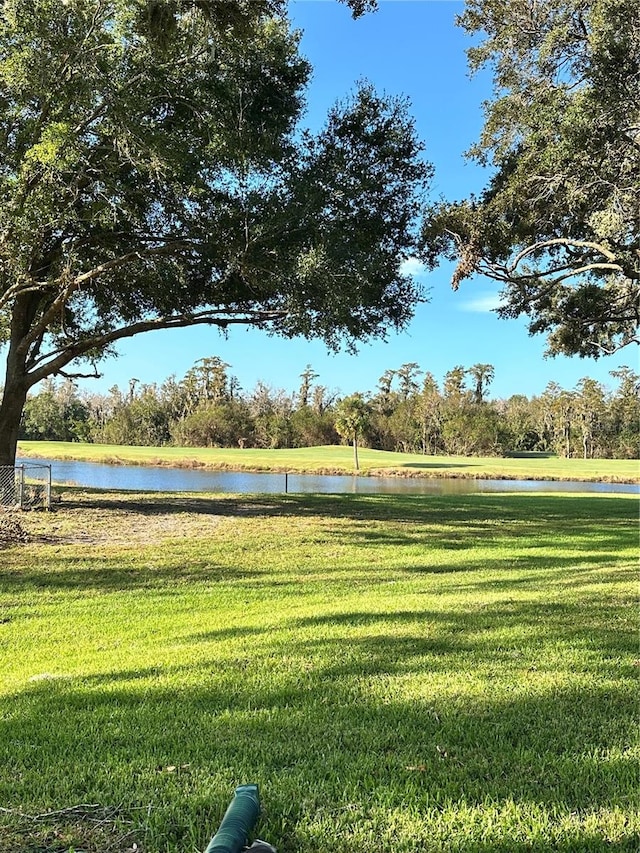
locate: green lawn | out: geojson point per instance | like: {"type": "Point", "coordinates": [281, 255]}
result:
{"type": "Point", "coordinates": [332, 459]}
{"type": "Point", "coordinates": [398, 674]}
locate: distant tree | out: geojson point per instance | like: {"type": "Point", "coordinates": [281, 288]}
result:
{"type": "Point", "coordinates": [470, 430]}
{"type": "Point", "coordinates": [430, 414]}
{"type": "Point", "coordinates": [384, 384]}
{"type": "Point", "coordinates": [558, 224]}
{"type": "Point", "coordinates": [394, 423]}
{"type": "Point", "coordinates": [383, 406]}
{"type": "Point", "coordinates": [404, 427]}
{"type": "Point", "coordinates": [482, 375]}
{"type": "Point", "coordinates": [453, 387]}
{"type": "Point", "coordinates": [150, 418]}
{"type": "Point", "coordinates": [175, 398]}
{"type": "Point", "coordinates": [154, 175]}
{"type": "Point", "coordinates": [312, 428]}
{"type": "Point", "coordinates": [468, 427]}
{"type": "Point", "coordinates": [590, 412]}
{"type": "Point", "coordinates": [479, 431]}
{"type": "Point", "coordinates": [216, 424]}
{"type": "Point", "coordinates": [407, 379]}
{"type": "Point", "coordinates": [43, 419]}
{"type": "Point", "coordinates": [56, 413]}
{"type": "Point", "coordinates": [307, 376]}
{"type": "Point", "coordinates": [558, 410]}
{"type": "Point", "coordinates": [271, 412]}
{"type": "Point", "coordinates": [625, 413]}
{"type": "Point", "coordinates": [322, 398]}
{"type": "Point", "coordinates": [352, 415]}
{"type": "Point", "coordinates": [208, 381]}
{"type": "Point", "coordinates": [519, 424]}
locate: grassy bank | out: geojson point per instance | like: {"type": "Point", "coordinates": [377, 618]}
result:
{"type": "Point", "coordinates": [339, 460]}
{"type": "Point", "coordinates": [397, 673]}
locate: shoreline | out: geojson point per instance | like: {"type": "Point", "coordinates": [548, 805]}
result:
{"type": "Point", "coordinates": [409, 473]}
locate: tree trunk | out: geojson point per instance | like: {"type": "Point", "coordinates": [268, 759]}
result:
{"type": "Point", "coordinates": [13, 400]}
{"type": "Point", "coordinates": [16, 383]}
{"type": "Point", "coordinates": [355, 453]}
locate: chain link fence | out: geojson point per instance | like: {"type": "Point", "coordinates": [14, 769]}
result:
{"type": "Point", "coordinates": [25, 486]}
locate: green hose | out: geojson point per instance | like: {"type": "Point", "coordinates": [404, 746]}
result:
{"type": "Point", "coordinates": [239, 819]}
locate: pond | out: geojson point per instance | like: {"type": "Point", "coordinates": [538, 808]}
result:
{"type": "Point", "coordinates": [146, 478]}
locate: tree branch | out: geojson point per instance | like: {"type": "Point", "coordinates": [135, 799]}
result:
{"type": "Point", "coordinates": [66, 375]}
{"type": "Point", "coordinates": [614, 349]}
{"type": "Point", "coordinates": [586, 268]}
{"type": "Point", "coordinates": [53, 362]}
{"type": "Point", "coordinates": [75, 283]}
{"type": "Point", "coordinates": [561, 241]}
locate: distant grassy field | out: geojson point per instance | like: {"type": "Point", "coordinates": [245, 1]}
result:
{"type": "Point", "coordinates": [333, 459]}
{"type": "Point", "coordinates": [398, 673]}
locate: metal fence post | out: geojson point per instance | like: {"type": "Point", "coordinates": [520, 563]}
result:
{"type": "Point", "coordinates": [48, 487]}
{"type": "Point", "coordinates": [20, 490]}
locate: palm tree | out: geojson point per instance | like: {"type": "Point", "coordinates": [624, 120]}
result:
{"type": "Point", "coordinates": [352, 418]}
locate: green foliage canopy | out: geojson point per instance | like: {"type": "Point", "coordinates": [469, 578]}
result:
{"type": "Point", "coordinates": [559, 221]}
{"type": "Point", "coordinates": [154, 175]}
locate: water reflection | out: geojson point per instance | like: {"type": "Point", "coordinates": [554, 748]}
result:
{"type": "Point", "coordinates": [143, 478]}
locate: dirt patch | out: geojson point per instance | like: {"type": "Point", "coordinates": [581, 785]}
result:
{"type": "Point", "coordinates": [87, 519]}
{"type": "Point", "coordinates": [11, 530]}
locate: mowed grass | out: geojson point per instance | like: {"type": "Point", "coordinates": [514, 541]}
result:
{"type": "Point", "coordinates": [334, 459]}
{"type": "Point", "coordinates": [397, 673]}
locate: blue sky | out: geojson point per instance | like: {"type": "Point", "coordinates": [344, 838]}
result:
{"type": "Point", "coordinates": [409, 47]}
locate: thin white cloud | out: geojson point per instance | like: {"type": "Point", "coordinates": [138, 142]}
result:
{"type": "Point", "coordinates": [482, 304]}
{"type": "Point", "coordinates": [413, 267]}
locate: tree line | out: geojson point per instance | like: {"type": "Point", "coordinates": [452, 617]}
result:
{"type": "Point", "coordinates": [408, 411]}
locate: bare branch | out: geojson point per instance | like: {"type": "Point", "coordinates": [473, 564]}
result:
{"type": "Point", "coordinates": [614, 349]}
{"type": "Point", "coordinates": [66, 375]}
{"type": "Point", "coordinates": [561, 241]}
{"type": "Point", "coordinates": [586, 268]}
{"type": "Point", "coordinates": [508, 274]}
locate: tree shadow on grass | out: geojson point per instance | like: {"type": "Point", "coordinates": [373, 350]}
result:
{"type": "Point", "coordinates": [530, 454]}
{"type": "Point", "coordinates": [100, 573]}
{"type": "Point", "coordinates": [522, 530]}
{"type": "Point", "coordinates": [168, 575]}
{"type": "Point", "coordinates": [510, 633]}
{"type": "Point", "coordinates": [356, 724]}
{"type": "Point", "coordinates": [447, 522]}
{"type": "Point", "coordinates": [326, 740]}
{"type": "Point", "coordinates": [525, 506]}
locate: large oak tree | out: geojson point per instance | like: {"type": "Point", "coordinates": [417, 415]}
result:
{"type": "Point", "coordinates": [153, 175]}
{"type": "Point", "coordinates": [559, 221]}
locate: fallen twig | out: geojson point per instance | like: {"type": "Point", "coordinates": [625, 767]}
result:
{"type": "Point", "coordinates": [94, 812]}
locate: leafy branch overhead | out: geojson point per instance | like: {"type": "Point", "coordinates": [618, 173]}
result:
{"type": "Point", "coordinates": [559, 221]}
{"type": "Point", "coordinates": [155, 175]}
